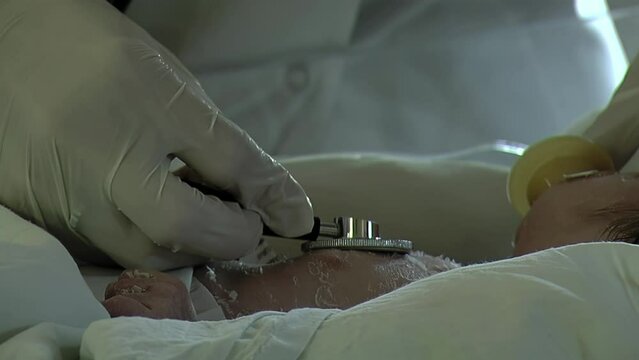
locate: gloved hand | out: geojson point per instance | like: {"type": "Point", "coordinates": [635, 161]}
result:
{"type": "Point", "coordinates": [616, 128]}
{"type": "Point", "coordinates": [92, 111]}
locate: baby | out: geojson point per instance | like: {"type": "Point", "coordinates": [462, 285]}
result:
{"type": "Point", "coordinates": [319, 279]}
{"type": "Point", "coordinates": [598, 208]}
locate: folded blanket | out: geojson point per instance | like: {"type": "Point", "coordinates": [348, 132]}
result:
{"type": "Point", "coordinates": [575, 302]}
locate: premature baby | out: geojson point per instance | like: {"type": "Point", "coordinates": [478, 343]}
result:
{"type": "Point", "coordinates": [320, 279]}
{"type": "Point", "coordinates": [599, 208]}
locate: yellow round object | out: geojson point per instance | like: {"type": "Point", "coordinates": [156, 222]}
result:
{"type": "Point", "coordinates": [549, 162]}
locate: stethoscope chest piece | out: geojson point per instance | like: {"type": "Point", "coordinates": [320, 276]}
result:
{"type": "Point", "coordinates": [349, 233]}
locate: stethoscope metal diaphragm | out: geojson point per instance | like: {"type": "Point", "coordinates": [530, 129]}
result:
{"type": "Point", "coordinates": [349, 233]}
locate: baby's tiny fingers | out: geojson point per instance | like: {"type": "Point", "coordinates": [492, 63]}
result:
{"type": "Point", "coordinates": [125, 306]}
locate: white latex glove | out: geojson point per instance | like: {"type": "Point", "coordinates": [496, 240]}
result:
{"type": "Point", "coordinates": [616, 128]}
{"type": "Point", "coordinates": [92, 110]}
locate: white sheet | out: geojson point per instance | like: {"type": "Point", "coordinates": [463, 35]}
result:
{"type": "Point", "coordinates": [265, 335]}
{"type": "Point", "coordinates": [45, 341]}
{"type": "Point", "coordinates": [576, 302]}
{"type": "Point", "coordinates": [39, 281]}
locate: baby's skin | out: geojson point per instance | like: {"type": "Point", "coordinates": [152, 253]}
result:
{"type": "Point", "coordinates": [320, 279]}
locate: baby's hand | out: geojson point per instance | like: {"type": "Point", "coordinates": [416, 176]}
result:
{"type": "Point", "coordinates": [148, 294]}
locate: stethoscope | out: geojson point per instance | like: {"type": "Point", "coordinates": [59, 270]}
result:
{"type": "Point", "coordinates": [345, 232]}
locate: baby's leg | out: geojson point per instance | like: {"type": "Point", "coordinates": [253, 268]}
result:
{"type": "Point", "coordinates": [324, 279]}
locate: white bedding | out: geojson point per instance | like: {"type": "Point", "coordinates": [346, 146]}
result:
{"type": "Point", "coordinates": [576, 302]}
{"type": "Point", "coordinates": [39, 281]}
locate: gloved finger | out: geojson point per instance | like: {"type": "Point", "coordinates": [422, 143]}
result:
{"type": "Point", "coordinates": [176, 216]}
{"type": "Point", "coordinates": [229, 160]}
{"type": "Point", "coordinates": [125, 243]}
{"type": "Point", "coordinates": [223, 154]}
{"type": "Point", "coordinates": [192, 178]}
{"type": "Point", "coordinates": [125, 306]}
{"type": "Point", "coordinates": [185, 173]}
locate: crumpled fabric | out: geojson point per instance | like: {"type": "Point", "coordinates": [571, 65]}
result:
{"type": "Point", "coordinates": [92, 112]}
{"type": "Point", "coordinates": [265, 335]}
